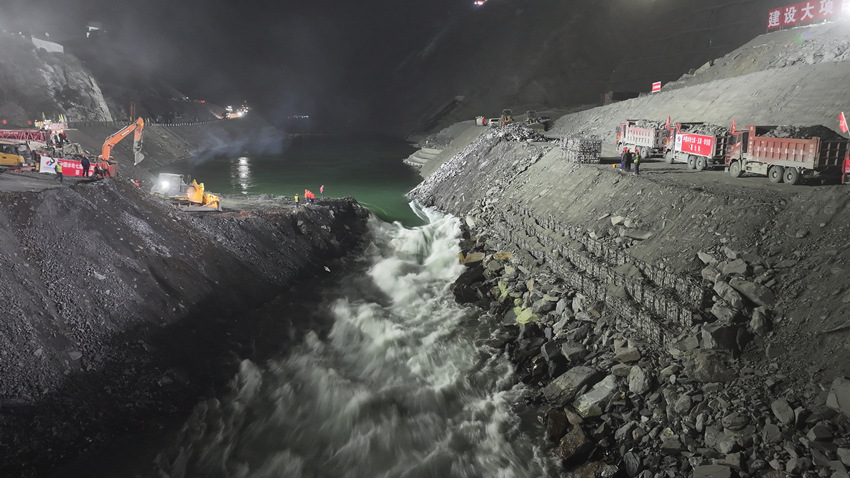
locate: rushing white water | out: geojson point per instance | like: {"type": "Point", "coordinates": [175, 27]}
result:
{"type": "Point", "coordinates": [399, 388]}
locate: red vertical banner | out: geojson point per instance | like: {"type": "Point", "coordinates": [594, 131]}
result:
{"type": "Point", "coordinates": [656, 87]}
{"type": "Point", "coordinates": [842, 122]}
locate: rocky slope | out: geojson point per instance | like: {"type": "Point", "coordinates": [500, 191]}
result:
{"type": "Point", "coordinates": [677, 322]}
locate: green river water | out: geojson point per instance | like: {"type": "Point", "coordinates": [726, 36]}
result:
{"type": "Point", "coordinates": [369, 169]}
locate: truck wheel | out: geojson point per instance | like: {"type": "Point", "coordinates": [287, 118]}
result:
{"type": "Point", "coordinates": [643, 152]}
{"type": "Point", "coordinates": [692, 162]}
{"type": "Point", "coordinates": [791, 176]}
{"type": "Point", "coordinates": [735, 169]}
{"type": "Point", "coordinates": [701, 164]}
{"type": "Point", "coordinates": [775, 174]}
{"type": "Point", "coordinates": [670, 157]}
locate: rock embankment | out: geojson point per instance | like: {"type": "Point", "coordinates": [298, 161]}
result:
{"type": "Point", "coordinates": [671, 323]}
{"type": "Point", "coordinates": [120, 309]}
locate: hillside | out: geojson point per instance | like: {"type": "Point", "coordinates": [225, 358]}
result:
{"type": "Point", "coordinates": [716, 304]}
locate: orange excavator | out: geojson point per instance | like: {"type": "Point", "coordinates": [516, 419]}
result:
{"type": "Point", "coordinates": [105, 158]}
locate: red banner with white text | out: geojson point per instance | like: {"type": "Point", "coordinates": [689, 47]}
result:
{"type": "Point", "coordinates": [803, 12]}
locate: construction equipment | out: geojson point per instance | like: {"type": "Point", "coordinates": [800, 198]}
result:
{"type": "Point", "coordinates": [649, 137]}
{"type": "Point", "coordinates": [189, 197]}
{"type": "Point", "coordinates": [788, 154]}
{"type": "Point", "coordinates": [11, 154]}
{"type": "Point", "coordinates": [701, 145]}
{"type": "Point", "coordinates": [111, 141]}
{"type": "Point", "coordinates": [507, 117]}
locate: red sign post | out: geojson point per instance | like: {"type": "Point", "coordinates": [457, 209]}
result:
{"type": "Point", "coordinates": [803, 12]}
{"type": "Point", "coordinates": [656, 87]}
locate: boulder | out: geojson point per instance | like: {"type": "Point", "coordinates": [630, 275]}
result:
{"type": "Point", "coordinates": [574, 447]}
{"type": "Point", "coordinates": [757, 293]}
{"type": "Point", "coordinates": [707, 366]}
{"type": "Point", "coordinates": [839, 396]}
{"type": "Point", "coordinates": [563, 389]}
{"type": "Point", "coordinates": [729, 294]}
{"type": "Point", "coordinates": [592, 403]}
{"type": "Point", "coordinates": [782, 411]}
{"type": "Point", "coordinates": [639, 382]}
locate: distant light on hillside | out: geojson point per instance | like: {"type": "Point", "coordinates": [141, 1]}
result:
{"type": "Point", "coordinates": [479, 2]}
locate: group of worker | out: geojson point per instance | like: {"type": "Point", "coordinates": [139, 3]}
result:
{"type": "Point", "coordinates": [309, 196]}
{"type": "Point", "coordinates": [630, 160]}
{"type": "Point", "coordinates": [101, 168]}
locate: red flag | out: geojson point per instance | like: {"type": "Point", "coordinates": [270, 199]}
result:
{"type": "Point", "coordinates": [667, 124]}
{"type": "Point", "coordinates": [656, 87]}
{"type": "Point", "coordinates": [733, 126]}
{"type": "Point", "coordinates": [842, 122]}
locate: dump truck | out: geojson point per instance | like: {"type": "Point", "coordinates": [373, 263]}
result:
{"type": "Point", "coordinates": [187, 196]}
{"type": "Point", "coordinates": [700, 145]}
{"type": "Point", "coordinates": [649, 137]}
{"type": "Point", "coordinates": [788, 154]}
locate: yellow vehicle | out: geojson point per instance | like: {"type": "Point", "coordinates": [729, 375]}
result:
{"type": "Point", "coordinates": [189, 197]}
{"type": "Point", "coordinates": [11, 154]}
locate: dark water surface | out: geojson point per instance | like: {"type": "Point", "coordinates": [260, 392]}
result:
{"type": "Point", "coordinates": [369, 169]}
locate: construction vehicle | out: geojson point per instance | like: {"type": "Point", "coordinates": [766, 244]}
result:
{"type": "Point", "coordinates": [649, 137]}
{"type": "Point", "coordinates": [788, 154]}
{"type": "Point", "coordinates": [111, 141]}
{"type": "Point", "coordinates": [506, 117]}
{"type": "Point", "coordinates": [535, 121]}
{"type": "Point", "coordinates": [701, 145]}
{"type": "Point", "coordinates": [188, 197]}
{"type": "Point", "coordinates": [12, 154]}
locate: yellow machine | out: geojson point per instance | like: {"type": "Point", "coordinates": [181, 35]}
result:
{"type": "Point", "coordinates": [10, 155]}
{"type": "Point", "coordinates": [189, 197]}
{"type": "Point", "coordinates": [507, 116]}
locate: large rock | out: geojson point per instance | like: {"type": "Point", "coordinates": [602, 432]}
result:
{"type": "Point", "coordinates": [839, 396]}
{"type": "Point", "coordinates": [563, 389]}
{"type": "Point", "coordinates": [707, 366]}
{"type": "Point", "coordinates": [639, 382]}
{"type": "Point", "coordinates": [782, 411]}
{"type": "Point", "coordinates": [574, 447]}
{"type": "Point", "coordinates": [729, 294]}
{"type": "Point", "coordinates": [757, 293]}
{"type": "Point", "coordinates": [592, 403]}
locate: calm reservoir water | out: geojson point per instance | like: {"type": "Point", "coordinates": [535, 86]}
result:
{"type": "Point", "coordinates": [369, 169]}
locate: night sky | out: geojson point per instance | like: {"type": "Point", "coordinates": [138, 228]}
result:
{"type": "Point", "coordinates": [283, 57]}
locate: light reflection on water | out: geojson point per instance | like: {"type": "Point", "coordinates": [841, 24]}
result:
{"type": "Point", "coordinates": [240, 175]}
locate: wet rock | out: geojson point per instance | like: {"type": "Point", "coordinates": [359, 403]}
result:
{"type": "Point", "coordinates": [782, 411]}
{"type": "Point", "coordinates": [757, 293]}
{"type": "Point", "coordinates": [839, 396]}
{"type": "Point", "coordinates": [563, 389]}
{"type": "Point", "coordinates": [556, 424]}
{"type": "Point", "coordinates": [631, 464]}
{"type": "Point", "coordinates": [592, 403]}
{"type": "Point", "coordinates": [574, 447]}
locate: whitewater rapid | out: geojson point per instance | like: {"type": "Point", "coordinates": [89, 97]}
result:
{"type": "Point", "coordinates": [401, 387]}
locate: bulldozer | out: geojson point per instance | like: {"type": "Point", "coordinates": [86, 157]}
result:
{"type": "Point", "coordinates": [188, 197]}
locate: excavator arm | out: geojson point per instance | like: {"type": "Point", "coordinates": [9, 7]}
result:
{"type": "Point", "coordinates": [115, 138]}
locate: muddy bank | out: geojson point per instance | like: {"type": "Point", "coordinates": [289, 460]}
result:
{"type": "Point", "coordinates": [120, 310]}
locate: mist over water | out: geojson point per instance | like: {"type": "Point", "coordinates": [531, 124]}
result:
{"type": "Point", "coordinates": [369, 169]}
{"type": "Point", "coordinates": [400, 387]}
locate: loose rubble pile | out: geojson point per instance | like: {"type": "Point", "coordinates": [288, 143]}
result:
{"type": "Point", "coordinates": [582, 149]}
{"type": "Point", "coordinates": [802, 132]}
{"type": "Point", "coordinates": [614, 405]}
{"type": "Point", "coordinates": [705, 128]}
{"type": "Point", "coordinates": [517, 132]}
{"type": "Point", "coordinates": [649, 124]}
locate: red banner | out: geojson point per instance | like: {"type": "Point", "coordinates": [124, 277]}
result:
{"type": "Point", "coordinates": [656, 87]}
{"type": "Point", "coordinates": [698, 144]}
{"type": "Point", "coordinates": [69, 166]}
{"type": "Point", "coordinates": [803, 12]}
